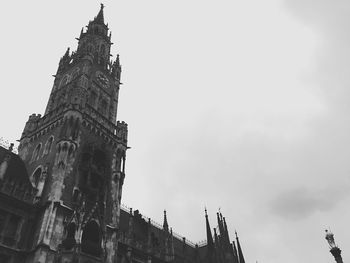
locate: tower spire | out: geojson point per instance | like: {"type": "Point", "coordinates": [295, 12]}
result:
{"type": "Point", "coordinates": [165, 222]}
{"type": "Point", "coordinates": [221, 227]}
{"type": "Point", "coordinates": [100, 18]}
{"type": "Point", "coordinates": [84, 91]}
{"type": "Point", "coordinates": [210, 242]}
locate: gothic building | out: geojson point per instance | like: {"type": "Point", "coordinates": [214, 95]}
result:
{"type": "Point", "coordinates": [60, 196]}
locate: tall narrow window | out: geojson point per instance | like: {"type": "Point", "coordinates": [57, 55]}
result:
{"type": "Point", "coordinates": [122, 164]}
{"type": "Point", "coordinates": [102, 50]}
{"type": "Point", "coordinates": [2, 221]}
{"type": "Point", "coordinates": [36, 177]}
{"type": "Point", "coordinates": [71, 230]}
{"type": "Point", "coordinates": [48, 146]}
{"type": "Point", "coordinates": [12, 226]}
{"type": "Point", "coordinates": [103, 107]}
{"type": "Point", "coordinates": [75, 195]}
{"type": "Point", "coordinates": [69, 242]}
{"type": "Point", "coordinates": [36, 153]}
{"type": "Point", "coordinates": [90, 240]}
{"type": "Point", "coordinates": [10, 233]}
{"type": "Point", "coordinates": [120, 161]}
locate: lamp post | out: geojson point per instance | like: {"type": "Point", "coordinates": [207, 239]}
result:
{"type": "Point", "coordinates": [334, 249]}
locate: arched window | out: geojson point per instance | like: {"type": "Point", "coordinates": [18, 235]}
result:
{"type": "Point", "coordinates": [36, 152]}
{"type": "Point", "coordinates": [75, 195]}
{"type": "Point", "coordinates": [91, 240]}
{"type": "Point", "coordinates": [65, 147]}
{"type": "Point", "coordinates": [48, 146]}
{"type": "Point", "coordinates": [69, 242]}
{"type": "Point", "coordinates": [120, 161]}
{"type": "Point", "coordinates": [75, 131]}
{"type": "Point", "coordinates": [3, 216]}
{"type": "Point", "coordinates": [12, 229]}
{"type": "Point", "coordinates": [71, 230]}
{"type": "Point", "coordinates": [70, 150]}
{"type": "Point", "coordinates": [68, 127]}
{"type": "Point", "coordinates": [36, 177]}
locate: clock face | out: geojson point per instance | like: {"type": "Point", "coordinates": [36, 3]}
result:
{"type": "Point", "coordinates": [102, 79]}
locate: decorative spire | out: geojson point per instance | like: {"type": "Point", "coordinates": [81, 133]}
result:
{"type": "Point", "coordinates": [221, 227]}
{"type": "Point", "coordinates": [117, 62]}
{"type": "Point", "coordinates": [130, 227]}
{"type": "Point", "coordinates": [216, 238]}
{"type": "Point", "coordinates": [235, 254]}
{"type": "Point", "coordinates": [100, 18]}
{"type": "Point", "coordinates": [227, 237]}
{"type": "Point", "coordinates": [209, 235]}
{"type": "Point", "coordinates": [240, 253]}
{"type": "Point", "coordinates": [67, 53]}
{"type": "Point", "coordinates": [335, 250]}
{"type": "Point", "coordinates": [165, 222]}
{"type": "Point", "coordinates": [149, 236]}
{"type": "Point", "coordinates": [210, 242]}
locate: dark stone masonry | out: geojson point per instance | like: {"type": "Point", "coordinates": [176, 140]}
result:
{"type": "Point", "coordinates": [60, 196]}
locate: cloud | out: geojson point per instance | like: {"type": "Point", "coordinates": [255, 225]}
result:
{"type": "Point", "coordinates": [299, 203]}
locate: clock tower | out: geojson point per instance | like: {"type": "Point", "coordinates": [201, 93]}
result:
{"type": "Point", "coordinates": [75, 155]}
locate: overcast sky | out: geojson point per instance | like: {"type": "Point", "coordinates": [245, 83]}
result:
{"type": "Point", "coordinates": [242, 105]}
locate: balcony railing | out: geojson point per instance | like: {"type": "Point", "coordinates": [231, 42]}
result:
{"type": "Point", "coordinates": [160, 226]}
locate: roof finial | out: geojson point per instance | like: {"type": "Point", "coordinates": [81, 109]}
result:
{"type": "Point", "coordinates": [99, 18]}
{"type": "Point", "coordinates": [239, 250]}
{"type": "Point", "coordinates": [335, 250]}
{"type": "Point", "coordinates": [165, 222]}
{"type": "Point", "coordinates": [330, 238]}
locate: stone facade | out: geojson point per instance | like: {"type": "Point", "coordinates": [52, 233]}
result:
{"type": "Point", "coordinates": [60, 197]}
